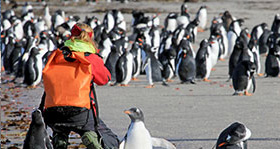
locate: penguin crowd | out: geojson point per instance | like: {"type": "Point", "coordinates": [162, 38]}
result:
{"type": "Point", "coordinates": [161, 52]}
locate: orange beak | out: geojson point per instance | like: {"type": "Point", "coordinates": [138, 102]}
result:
{"type": "Point", "coordinates": [36, 37]}
{"type": "Point", "coordinates": [248, 35]}
{"type": "Point", "coordinates": [127, 112]}
{"type": "Point", "coordinates": [2, 36]}
{"type": "Point", "coordinates": [188, 37]}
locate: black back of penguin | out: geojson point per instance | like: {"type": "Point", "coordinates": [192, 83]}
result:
{"type": "Point", "coordinates": [187, 66]}
{"type": "Point", "coordinates": [37, 136]}
{"type": "Point", "coordinates": [231, 137]}
{"type": "Point", "coordinates": [200, 59]}
{"type": "Point", "coordinates": [240, 76]}
{"type": "Point", "coordinates": [272, 62]}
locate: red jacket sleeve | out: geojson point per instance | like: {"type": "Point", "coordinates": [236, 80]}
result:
{"type": "Point", "coordinates": [100, 73]}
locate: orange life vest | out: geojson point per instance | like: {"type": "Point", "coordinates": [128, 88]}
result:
{"type": "Point", "coordinates": [67, 83]}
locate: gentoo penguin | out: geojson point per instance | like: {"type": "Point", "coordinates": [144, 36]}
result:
{"type": "Point", "coordinates": [14, 58]}
{"type": "Point", "coordinates": [124, 67]}
{"type": "Point", "coordinates": [201, 15]}
{"type": "Point", "coordinates": [192, 29]}
{"type": "Point", "coordinates": [272, 62]}
{"type": "Point", "coordinates": [234, 136]}
{"type": "Point", "coordinates": [136, 52]}
{"type": "Point", "coordinates": [170, 22]}
{"type": "Point", "coordinates": [47, 17]}
{"type": "Point", "coordinates": [275, 28]}
{"type": "Point", "coordinates": [167, 59]}
{"type": "Point", "coordinates": [33, 68]}
{"type": "Point", "coordinates": [155, 35]}
{"type": "Point", "coordinates": [184, 18]}
{"type": "Point", "coordinates": [9, 47]}
{"type": "Point", "coordinates": [233, 33]}
{"type": "Point", "coordinates": [105, 46]}
{"type": "Point", "coordinates": [214, 49]}
{"type": "Point", "coordinates": [29, 29]}
{"type": "Point", "coordinates": [109, 21]}
{"type": "Point", "coordinates": [201, 60]}
{"type": "Point", "coordinates": [119, 19]}
{"type": "Point", "coordinates": [186, 64]}
{"type": "Point", "coordinates": [138, 137]}
{"type": "Point", "coordinates": [152, 67]}
{"type": "Point", "coordinates": [57, 19]}
{"type": "Point", "coordinates": [227, 19]}
{"type": "Point", "coordinates": [37, 136]}
{"type": "Point", "coordinates": [240, 44]}
{"type": "Point", "coordinates": [243, 78]}
{"type": "Point", "coordinates": [263, 46]}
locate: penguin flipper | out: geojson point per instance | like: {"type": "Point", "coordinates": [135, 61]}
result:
{"type": "Point", "coordinates": [254, 83]}
{"type": "Point", "coordinates": [160, 142]}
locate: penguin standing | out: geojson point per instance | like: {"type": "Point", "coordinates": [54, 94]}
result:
{"type": "Point", "coordinates": [136, 52]}
{"type": "Point", "coordinates": [201, 15]}
{"type": "Point", "coordinates": [124, 67]}
{"type": "Point", "coordinates": [167, 59]}
{"type": "Point", "coordinates": [109, 21]}
{"type": "Point", "coordinates": [186, 65]}
{"type": "Point", "coordinates": [227, 19]}
{"type": "Point", "coordinates": [47, 17]}
{"type": "Point", "coordinates": [201, 60]}
{"type": "Point", "coordinates": [263, 46]}
{"type": "Point", "coordinates": [272, 62]}
{"type": "Point", "coordinates": [37, 136]}
{"type": "Point", "coordinates": [15, 57]}
{"type": "Point", "coordinates": [215, 49]}
{"type": "Point", "coordinates": [152, 67]}
{"type": "Point", "coordinates": [234, 136]}
{"type": "Point", "coordinates": [33, 68]}
{"type": "Point", "coordinates": [9, 47]}
{"type": "Point", "coordinates": [243, 78]}
{"type": "Point", "coordinates": [184, 19]}
{"type": "Point", "coordinates": [234, 57]}
{"type": "Point", "coordinates": [138, 137]}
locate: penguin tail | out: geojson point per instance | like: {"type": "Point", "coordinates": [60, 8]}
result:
{"type": "Point", "coordinates": [164, 83]}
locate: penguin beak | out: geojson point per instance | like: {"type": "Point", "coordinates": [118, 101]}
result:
{"type": "Point", "coordinates": [127, 112]}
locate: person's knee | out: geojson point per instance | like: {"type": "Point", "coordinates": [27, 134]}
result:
{"type": "Point", "coordinates": [91, 141]}
{"type": "Point", "coordinates": [60, 141]}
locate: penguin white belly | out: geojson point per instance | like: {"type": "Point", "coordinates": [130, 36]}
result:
{"type": "Point", "coordinates": [111, 22]}
{"type": "Point", "coordinates": [172, 62]}
{"type": "Point", "coordinates": [148, 71]}
{"type": "Point", "coordinates": [39, 67]}
{"type": "Point", "coordinates": [138, 137]}
{"type": "Point", "coordinates": [172, 24]}
{"type": "Point", "coordinates": [249, 84]}
{"type": "Point", "coordinates": [129, 69]}
{"type": "Point", "coordinates": [183, 20]}
{"type": "Point", "coordinates": [231, 41]}
{"type": "Point", "coordinates": [278, 60]}
{"type": "Point", "coordinates": [215, 53]}
{"type": "Point", "coordinates": [107, 49]}
{"type": "Point", "coordinates": [225, 42]}
{"type": "Point", "coordinates": [19, 31]}
{"type": "Point", "coordinates": [202, 18]}
{"type": "Point", "coordinates": [257, 54]}
{"type": "Point", "coordinates": [138, 59]}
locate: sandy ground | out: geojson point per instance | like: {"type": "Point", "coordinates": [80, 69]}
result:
{"type": "Point", "coordinates": [190, 116]}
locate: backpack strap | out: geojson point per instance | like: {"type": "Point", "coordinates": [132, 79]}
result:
{"type": "Point", "coordinates": [67, 54]}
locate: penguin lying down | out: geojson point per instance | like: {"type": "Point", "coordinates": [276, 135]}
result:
{"type": "Point", "coordinates": [138, 137]}
{"type": "Point", "coordinates": [37, 137]}
{"type": "Point", "coordinates": [234, 136]}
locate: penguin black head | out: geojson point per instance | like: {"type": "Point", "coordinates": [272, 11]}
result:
{"type": "Point", "coordinates": [135, 114]}
{"type": "Point", "coordinates": [204, 43]}
{"type": "Point", "coordinates": [37, 117]}
{"type": "Point", "coordinates": [233, 135]}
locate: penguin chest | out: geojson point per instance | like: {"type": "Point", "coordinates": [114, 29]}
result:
{"type": "Point", "coordinates": [138, 137]}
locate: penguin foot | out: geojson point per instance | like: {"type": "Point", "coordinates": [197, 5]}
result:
{"type": "Point", "coordinates": [124, 85]}
{"type": "Point", "coordinates": [200, 30]}
{"type": "Point", "coordinates": [222, 59]}
{"type": "Point", "coordinates": [206, 80]}
{"type": "Point", "coordinates": [2, 69]}
{"type": "Point", "coordinates": [31, 87]}
{"type": "Point", "coordinates": [260, 74]}
{"type": "Point", "coordinates": [165, 84]}
{"type": "Point", "coordinates": [213, 69]}
{"type": "Point", "coordinates": [135, 79]}
{"type": "Point", "coordinates": [150, 86]}
{"type": "Point", "coordinates": [246, 93]}
{"type": "Point", "coordinates": [169, 80]}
